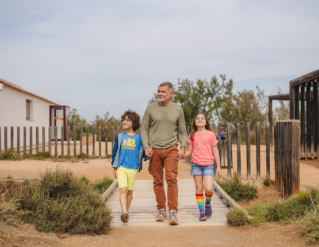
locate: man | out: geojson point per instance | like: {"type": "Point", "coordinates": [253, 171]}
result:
{"type": "Point", "coordinates": [163, 122]}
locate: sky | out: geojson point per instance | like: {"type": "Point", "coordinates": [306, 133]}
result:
{"type": "Point", "coordinates": [103, 56]}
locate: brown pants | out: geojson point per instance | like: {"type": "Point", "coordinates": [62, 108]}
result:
{"type": "Point", "coordinates": [168, 159]}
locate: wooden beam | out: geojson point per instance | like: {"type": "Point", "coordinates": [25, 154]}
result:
{"type": "Point", "coordinates": [279, 97]}
{"type": "Point", "coordinates": [248, 150]}
{"type": "Point", "coordinates": [12, 138]}
{"type": "Point", "coordinates": [295, 163]}
{"type": "Point", "coordinates": [43, 139]}
{"type": "Point", "coordinates": [270, 118]}
{"type": "Point", "coordinates": [238, 151]}
{"type": "Point", "coordinates": [74, 140]}
{"type": "Point", "coordinates": [93, 141]}
{"type": "Point", "coordinates": [296, 104]}
{"type": "Point", "coordinates": [68, 139]}
{"type": "Point", "coordinates": [268, 130]}
{"type": "Point", "coordinates": [37, 139]}
{"type": "Point", "coordinates": [258, 150]}
{"type": "Point", "coordinates": [49, 138]}
{"type": "Point", "coordinates": [291, 99]}
{"type": "Point", "coordinates": [87, 140]}
{"type": "Point", "coordinates": [229, 146]}
{"type": "Point", "coordinates": [106, 141]}
{"type": "Point", "coordinates": [31, 144]}
{"type": "Point", "coordinates": [302, 118]}
{"type": "Point", "coordinates": [316, 116]}
{"type": "Point", "coordinates": [305, 78]}
{"type": "Point", "coordinates": [18, 140]}
{"type": "Point", "coordinates": [308, 118]}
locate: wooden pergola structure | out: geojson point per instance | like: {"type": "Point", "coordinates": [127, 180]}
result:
{"type": "Point", "coordinates": [304, 105]}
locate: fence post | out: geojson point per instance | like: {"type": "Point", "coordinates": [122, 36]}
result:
{"type": "Point", "coordinates": [268, 150]}
{"type": "Point", "coordinates": [12, 136]}
{"type": "Point", "coordinates": [5, 138]}
{"type": "Point", "coordinates": [68, 138]}
{"type": "Point", "coordinates": [106, 141]}
{"type": "Point", "coordinates": [31, 144]}
{"type": "Point", "coordinates": [258, 150]}
{"type": "Point", "coordinates": [238, 151]}
{"type": "Point", "coordinates": [87, 140]}
{"type": "Point", "coordinates": [112, 137]}
{"type": "Point", "coordinates": [55, 141]}
{"type": "Point", "coordinates": [24, 141]}
{"type": "Point", "coordinates": [18, 140]}
{"type": "Point", "coordinates": [37, 139]}
{"type": "Point", "coordinates": [43, 139]}
{"type": "Point", "coordinates": [229, 151]}
{"type": "Point", "coordinates": [248, 150]}
{"type": "Point", "coordinates": [81, 139]}
{"type": "Point", "coordinates": [49, 140]}
{"type": "Point", "coordinates": [62, 140]}
{"type": "Point", "coordinates": [220, 143]}
{"type": "Point", "coordinates": [295, 162]}
{"type": "Point", "coordinates": [74, 140]}
{"type": "Point", "coordinates": [93, 141]}
{"type": "Point", "coordinates": [100, 148]}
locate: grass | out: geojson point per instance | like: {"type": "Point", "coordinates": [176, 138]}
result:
{"type": "Point", "coordinates": [62, 203]}
{"type": "Point", "coordinates": [41, 155]}
{"type": "Point", "coordinates": [85, 180]}
{"type": "Point", "coordinates": [10, 155]}
{"type": "Point", "coordinates": [295, 209]}
{"type": "Point", "coordinates": [8, 217]}
{"type": "Point", "coordinates": [237, 190]}
{"type": "Point", "coordinates": [266, 182]}
{"type": "Point", "coordinates": [103, 185]}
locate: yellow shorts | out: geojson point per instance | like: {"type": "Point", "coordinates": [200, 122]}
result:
{"type": "Point", "coordinates": [126, 177]}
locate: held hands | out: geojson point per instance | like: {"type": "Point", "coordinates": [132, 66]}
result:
{"type": "Point", "coordinates": [181, 153]}
{"type": "Point", "coordinates": [115, 172]}
{"type": "Point", "coordinates": [149, 152]}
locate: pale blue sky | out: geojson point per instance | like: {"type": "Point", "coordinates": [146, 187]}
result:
{"type": "Point", "coordinates": [100, 56]}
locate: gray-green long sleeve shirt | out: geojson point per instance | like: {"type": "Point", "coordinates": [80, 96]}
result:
{"type": "Point", "coordinates": [162, 125]}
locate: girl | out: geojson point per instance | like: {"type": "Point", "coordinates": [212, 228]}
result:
{"type": "Point", "coordinates": [203, 147]}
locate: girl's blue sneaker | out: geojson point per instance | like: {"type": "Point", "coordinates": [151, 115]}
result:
{"type": "Point", "coordinates": [202, 217]}
{"type": "Point", "coordinates": [208, 210]}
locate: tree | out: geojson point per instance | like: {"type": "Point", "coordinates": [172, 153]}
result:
{"type": "Point", "coordinates": [282, 112]}
{"type": "Point", "coordinates": [106, 121]}
{"type": "Point", "coordinates": [201, 96]}
{"type": "Point", "coordinates": [76, 120]}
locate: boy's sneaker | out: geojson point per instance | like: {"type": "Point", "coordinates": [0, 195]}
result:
{"type": "Point", "coordinates": [161, 215]}
{"type": "Point", "coordinates": [172, 218]}
{"type": "Point", "coordinates": [124, 217]}
{"type": "Point", "coordinates": [208, 210]}
{"type": "Point", "coordinates": [202, 217]}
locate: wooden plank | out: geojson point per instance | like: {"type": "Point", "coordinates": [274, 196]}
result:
{"type": "Point", "coordinates": [296, 104]}
{"type": "Point", "coordinates": [248, 150]}
{"type": "Point", "coordinates": [5, 138]}
{"type": "Point", "coordinates": [31, 142]}
{"type": "Point", "coordinates": [74, 140]}
{"type": "Point", "coordinates": [87, 140]}
{"type": "Point", "coordinates": [308, 118]}
{"type": "Point", "coordinates": [50, 140]}
{"type": "Point", "coordinates": [276, 152]}
{"type": "Point", "coordinates": [37, 139]}
{"type": "Point", "coordinates": [308, 155]}
{"type": "Point", "coordinates": [93, 141]}
{"type": "Point", "coordinates": [68, 138]}
{"type": "Point", "coordinates": [285, 127]}
{"type": "Point", "coordinates": [295, 163]}
{"type": "Point", "coordinates": [229, 146]}
{"type": "Point", "coordinates": [258, 149]}
{"type": "Point", "coordinates": [55, 141]}
{"type": "Point", "coordinates": [305, 78]}
{"type": "Point", "coordinates": [268, 130]}
{"type": "Point", "coordinates": [106, 141]}
{"type": "Point", "coordinates": [316, 116]}
{"type": "Point", "coordinates": [81, 139]}
{"type": "Point", "coordinates": [288, 183]}
{"type": "Point", "coordinates": [238, 151]}
{"type": "Point", "coordinates": [62, 140]}
{"type": "Point", "coordinates": [100, 140]}
{"type": "Point", "coordinates": [302, 118]}
{"type": "Point", "coordinates": [18, 140]}
{"type": "Point", "coordinates": [292, 102]}
{"type": "Point", "coordinates": [270, 120]}
{"type": "Point", "coordinates": [43, 139]}
{"type": "Point", "coordinates": [24, 141]}
{"type": "Point", "coordinates": [12, 138]}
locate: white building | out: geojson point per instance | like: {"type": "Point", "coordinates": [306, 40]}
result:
{"type": "Point", "coordinates": [19, 107]}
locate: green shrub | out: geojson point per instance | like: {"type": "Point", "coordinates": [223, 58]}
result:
{"type": "Point", "coordinates": [85, 180]}
{"type": "Point", "coordinates": [103, 185]}
{"type": "Point", "coordinates": [237, 190]}
{"type": "Point", "coordinates": [82, 156]}
{"type": "Point", "coordinates": [26, 181]}
{"type": "Point", "coordinates": [259, 211]}
{"type": "Point", "coordinates": [61, 203]}
{"type": "Point", "coordinates": [267, 181]}
{"type": "Point", "coordinates": [42, 155]}
{"type": "Point", "coordinates": [237, 217]}
{"type": "Point", "coordinates": [8, 217]}
{"type": "Point", "coordinates": [9, 177]}
{"type": "Point", "coordinates": [310, 225]}
{"type": "Point", "coordinates": [9, 155]}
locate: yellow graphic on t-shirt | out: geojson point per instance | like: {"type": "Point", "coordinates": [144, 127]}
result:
{"type": "Point", "coordinates": [129, 144]}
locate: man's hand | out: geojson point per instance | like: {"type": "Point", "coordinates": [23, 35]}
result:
{"type": "Point", "coordinates": [181, 153]}
{"type": "Point", "coordinates": [115, 172]}
{"type": "Point", "coordinates": [149, 152]}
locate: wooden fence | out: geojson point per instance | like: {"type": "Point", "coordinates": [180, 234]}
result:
{"type": "Point", "coordinates": [287, 153]}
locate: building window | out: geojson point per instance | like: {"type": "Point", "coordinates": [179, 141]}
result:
{"type": "Point", "coordinates": [28, 109]}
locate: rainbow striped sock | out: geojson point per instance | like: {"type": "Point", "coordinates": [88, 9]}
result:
{"type": "Point", "coordinates": [200, 202]}
{"type": "Point", "coordinates": [208, 198]}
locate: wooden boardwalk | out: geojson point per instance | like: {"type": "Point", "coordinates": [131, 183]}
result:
{"type": "Point", "coordinates": [143, 209]}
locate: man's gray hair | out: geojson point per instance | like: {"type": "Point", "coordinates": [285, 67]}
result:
{"type": "Point", "coordinates": [166, 83]}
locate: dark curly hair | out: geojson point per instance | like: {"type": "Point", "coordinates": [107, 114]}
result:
{"type": "Point", "coordinates": [134, 117]}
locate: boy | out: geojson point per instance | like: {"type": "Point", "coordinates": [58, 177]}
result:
{"type": "Point", "coordinates": [127, 159]}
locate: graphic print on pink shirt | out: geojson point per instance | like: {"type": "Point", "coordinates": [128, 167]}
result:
{"type": "Point", "coordinates": [203, 148]}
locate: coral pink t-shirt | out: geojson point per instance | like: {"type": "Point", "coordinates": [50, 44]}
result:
{"type": "Point", "coordinates": [203, 148]}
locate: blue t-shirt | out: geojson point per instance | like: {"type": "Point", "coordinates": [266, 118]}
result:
{"type": "Point", "coordinates": [129, 150]}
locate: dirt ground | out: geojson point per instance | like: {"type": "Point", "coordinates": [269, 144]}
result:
{"type": "Point", "coordinates": [94, 169]}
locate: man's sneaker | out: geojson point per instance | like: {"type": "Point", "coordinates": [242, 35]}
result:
{"type": "Point", "coordinates": [172, 218]}
{"type": "Point", "coordinates": [124, 217]}
{"type": "Point", "coordinates": [202, 217]}
{"type": "Point", "coordinates": [208, 210]}
{"type": "Point", "coordinates": [161, 215]}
